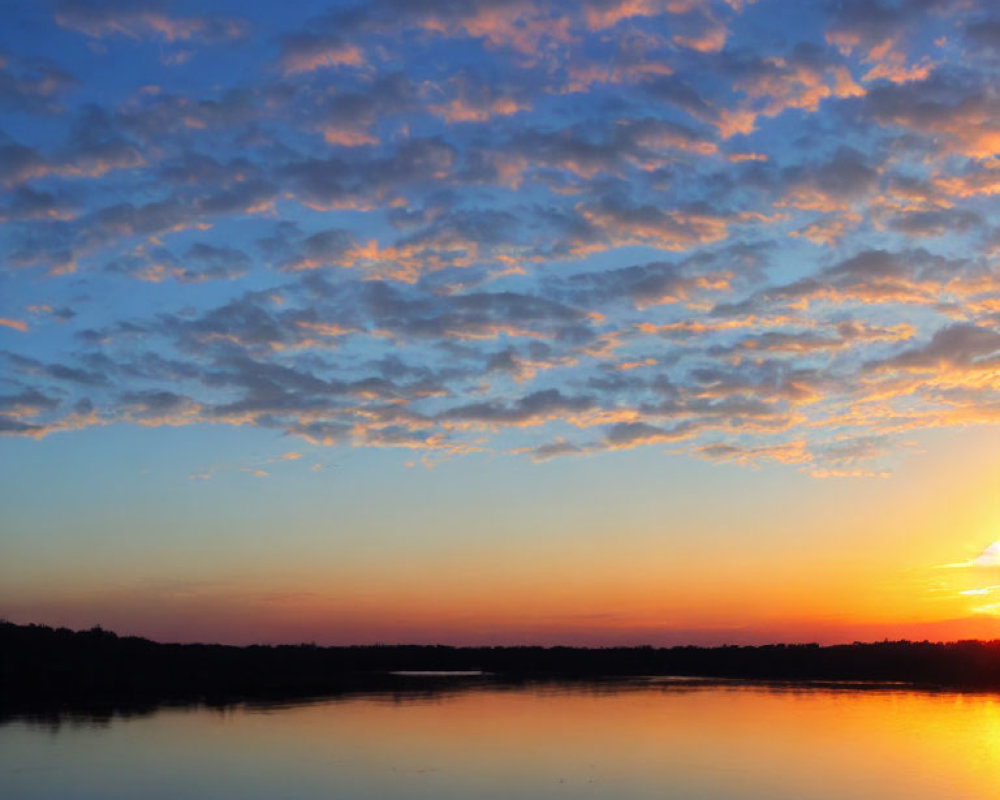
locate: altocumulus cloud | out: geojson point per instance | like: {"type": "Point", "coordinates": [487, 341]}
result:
{"type": "Point", "coordinates": [532, 227]}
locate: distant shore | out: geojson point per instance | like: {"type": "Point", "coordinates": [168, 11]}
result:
{"type": "Point", "coordinates": [43, 667]}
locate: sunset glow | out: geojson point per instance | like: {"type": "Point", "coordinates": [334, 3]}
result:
{"type": "Point", "coordinates": [501, 321]}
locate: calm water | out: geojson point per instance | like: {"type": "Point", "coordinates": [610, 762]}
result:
{"type": "Point", "coordinates": [660, 741]}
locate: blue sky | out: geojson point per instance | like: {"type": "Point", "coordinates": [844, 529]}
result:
{"type": "Point", "coordinates": [496, 242]}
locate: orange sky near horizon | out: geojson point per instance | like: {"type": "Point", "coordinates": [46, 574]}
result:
{"type": "Point", "coordinates": [882, 559]}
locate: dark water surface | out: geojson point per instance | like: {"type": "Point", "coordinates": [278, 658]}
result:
{"type": "Point", "coordinates": [662, 739]}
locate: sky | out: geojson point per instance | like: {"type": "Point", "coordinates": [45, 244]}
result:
{"type": "Point", "coordinates": [501, 321]}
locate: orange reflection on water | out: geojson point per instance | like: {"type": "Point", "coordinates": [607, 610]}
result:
{"type": "Point", "coordinates": [714, 742]}
{"type": "Point", "coordinates": [729, 741]}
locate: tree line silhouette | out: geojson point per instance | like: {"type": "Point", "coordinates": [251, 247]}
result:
{"type": "Point", "coordinates": [40, 665]}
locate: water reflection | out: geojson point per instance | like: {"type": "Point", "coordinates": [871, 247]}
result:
{"type": "Point", "coordinates": [474, 738]}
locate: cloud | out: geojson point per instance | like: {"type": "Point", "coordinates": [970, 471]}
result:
{"type": "Point", "coordinates": [29, 204]}
{"type": "Point", "coordinates": [801, 79]}
{"type": "Point", "coordinates": [16, 324]}
{"type": "Point", "coordinates": [532, 409]}
{"type": "Point", "coordinates": [783, 453]}
{"type": "Point", "coordinates": [202, 262]}
{"type": "Point", "coordinates": [19, 163]}
{"type": "Point", "coordinates": [830, 185]}
{"type": "Point", "coordinates": [881, 33]}
{"type": "Point", "coordinates": [546, 452]}
{"type": "Point", "coordinates": [33, 85]}
{"type": "Point", "coordinates": [979, 592]}
{"type": "Point", "coordinates": [990, 557]}
{"type": "Point", "coordinates": [601, 14]}
{"type": "Point", "coordinates": [586, 151]}
{"type": "Point", "coordinates": [984, 34]}
{"type": "Point", "coordinates": [626, 435]}
{"type": "Point", "coordinates": [359, 184]}
{"type": "Point", "coordinates": [955, 114]}
{"type": "Point", "coordinates": [306, 52]}
{"type": "Point", "coordinates": [622, 224]}
{"type": "Point", "coordinates": [158, 408]}
{"type": "Point", "coordinates": [143, 19]}
{"type": "Point", "coordinates": [651, 284]}
{"type": "Point", "coordinates": [546, 229]}
{"type": "Point", "coordinates": [346, 119]}
{"type": "Point", "coordinates": [938, 222]}
{"type": "Point", "coordinates": [912, 277]}
{"type": "Point", "coordinates": [955, 346]}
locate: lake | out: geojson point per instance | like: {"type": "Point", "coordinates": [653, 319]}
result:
{"type": "Point", "coordinates": [655, 739]}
